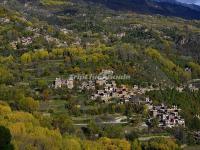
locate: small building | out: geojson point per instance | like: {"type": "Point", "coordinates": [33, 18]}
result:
{"type": "Point", "coordinates": [26, 41]}
{"type": "Point", "coordinates": [4, 20]}
{"type": "Point", "coordinates": [70, 83]}
{"type": "Point", "coordinates": [58, 83]}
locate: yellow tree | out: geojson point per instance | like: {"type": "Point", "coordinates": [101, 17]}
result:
{"type": "Point", "coordinates": [26, 58]}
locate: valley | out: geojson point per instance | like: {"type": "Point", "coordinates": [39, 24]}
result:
{"type": "Point", "coordinates": [99, 75]}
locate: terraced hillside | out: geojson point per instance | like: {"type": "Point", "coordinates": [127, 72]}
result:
{"type": "Point", "coordinates": [44, 41]}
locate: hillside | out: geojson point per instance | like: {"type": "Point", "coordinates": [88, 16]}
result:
{"type": "Point", "coordinates": [153, 7]}
{"type": "Point", "coordinates": [179, 39]}
{"type": "Point", "coordinates": [52, 51]}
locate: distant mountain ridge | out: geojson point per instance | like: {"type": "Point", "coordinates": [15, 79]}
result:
{"type": "Point", "coordinates": [171, 8]}
{"type": "Point", "coordinates": [192, 6]}
{"type": "Point", "coordinates": [162, 7]}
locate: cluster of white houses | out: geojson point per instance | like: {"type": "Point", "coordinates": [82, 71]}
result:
{"type": "Point", "coordinates": [4, 20]}
{"type": "Point", "coordinates": [59, 83]}
{"type": "Point", "coordinates": [110, 91]}
{"type": "Point", "coordinates": [167, 117]}
{"type": "Point", "coordinates": [105, 90]}
{"type": "Point", "coordinates": [25, 41]}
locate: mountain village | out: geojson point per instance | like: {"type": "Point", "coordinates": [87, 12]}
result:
{"type": "Point", "coordinates": [105, 90]}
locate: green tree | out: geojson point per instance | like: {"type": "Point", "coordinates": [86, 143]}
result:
{"type": "Point", "coordinates": [195, 123]}
{"type": "Point", "coordinates": [41, 54]}
{"type": "Point", "coordinates": [71, 144]}
{"type": "Point", "coordinates": [5, 139]}
{"type": "Point", "coordinates": [113, 131]}
{"type": "Point", "coordinates": [161, 144]}
{"type": "Point", "coordinates": [136, 145]}
{"type": "Point", "coordinates": [29, 104]}
{"type": "Point", "coordinates": [45, 94]}
{"type": "Point", "coordinates": [5, 75]}
{"type": "Point", "coordinates": [64, 123]}
{"type": "Point", "coordinates": [42, 84]}
{"type": "Point", "coordinates": [154, 122]}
